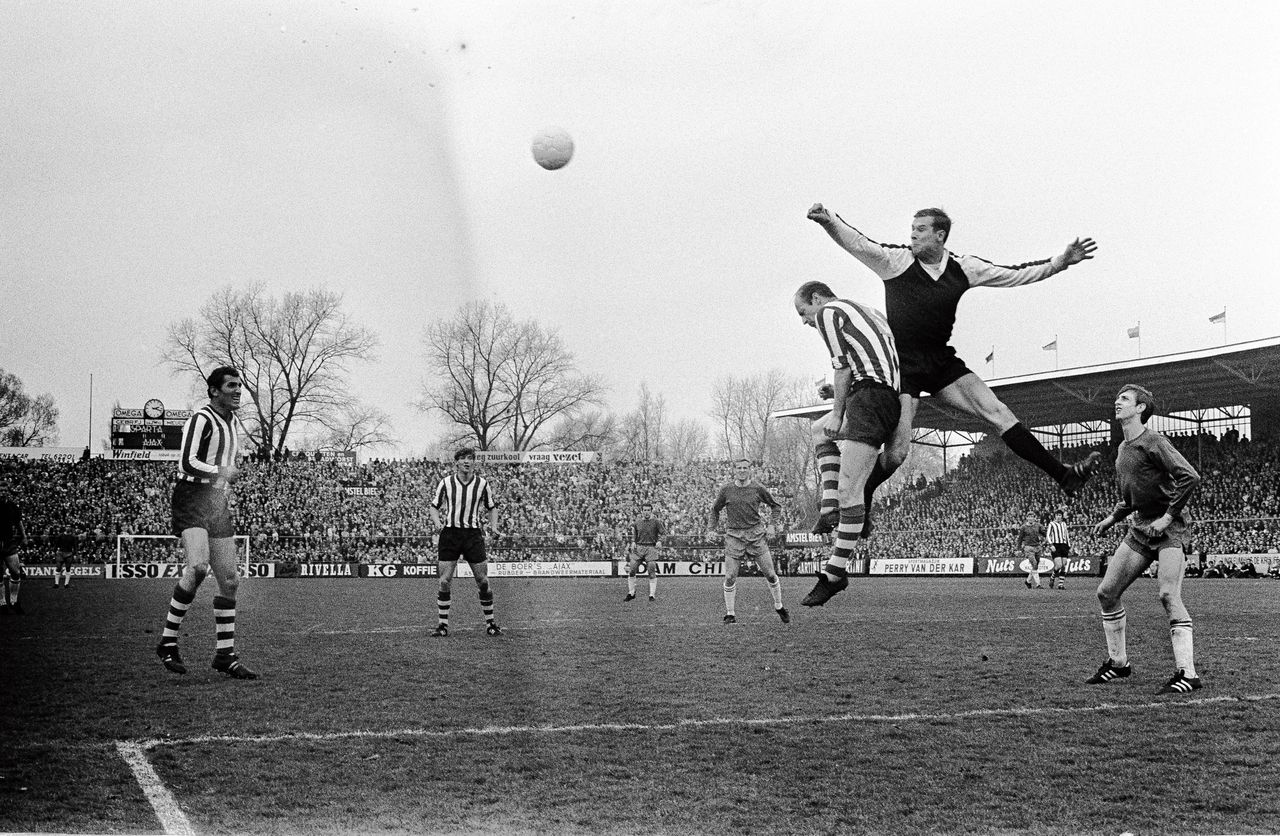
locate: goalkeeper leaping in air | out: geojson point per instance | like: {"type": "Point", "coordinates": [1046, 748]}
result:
{"type": "Point", "coordinates": [923, 283]}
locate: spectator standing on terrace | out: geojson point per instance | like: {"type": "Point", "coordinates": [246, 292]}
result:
{"type": "Point", "coordinates": [12, 536]}
{"type": "Point", "coordinates": [745, 535]}
{"type": "Point", "coordinates": [1155, 482]}
{"type": "Point", "coordinates": [646, 534]}
{"type": "Point", "coordinates": [201, 517]}
{"type": "Point", "coordinates": [864, 413]}
{"type": "Point", "coordinates": [1031, 544]}
{"type": "Point", "coordinates": [923, 284]}
{"type": "Point", "coordinates": [460, 500]}
{"type": "Point", "coordinates": [1060, 545]}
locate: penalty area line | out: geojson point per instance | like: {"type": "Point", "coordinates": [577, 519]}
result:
{"type": "Point", "coordinates": [172, 819]}
{"type": "Point", "coordinates": [706, 722]}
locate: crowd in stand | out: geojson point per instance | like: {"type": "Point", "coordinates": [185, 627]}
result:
{"type": "Point", "coordinates": [306, 510]}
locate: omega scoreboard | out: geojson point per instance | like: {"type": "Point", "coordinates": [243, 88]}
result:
{"type": "Point", "coordinates": [151, 428]}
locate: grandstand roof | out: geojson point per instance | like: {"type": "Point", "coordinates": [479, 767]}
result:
{"type": "Point", "coordinates": [1233, 375]}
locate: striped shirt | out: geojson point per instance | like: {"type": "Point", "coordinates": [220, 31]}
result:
{"type": "Point", "coordinates": [463, 503]}
{"type": "Point", "coordinates": [859, 339]}
{"type": "Point", "coordinates": [209, 442]}
{"type": "Point", "coordinates": [1058, 533]}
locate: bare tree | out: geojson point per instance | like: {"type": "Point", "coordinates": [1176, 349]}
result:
{"type": "Point", "coordinates": [294, 355]}
{"type": "Point", "coordinates": [25, 421]}
{"type": "Point", "coordinates": [357, 427]}
{"type": "Point", "coordinates": [643, 434]}
{"type": "Point", "coordinates": [741, 407]}
{"type": "Point", "coordinates": [688, 441]}
{"type": "Point", "coordinates": [499, 379]}
{"type": "Point", "coordinates": [594, 431]}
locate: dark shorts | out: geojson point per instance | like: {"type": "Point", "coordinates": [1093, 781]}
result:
{"type": "Point", "coordinates": [871, 415]}
{"type": "Point", "coordinates": [63, 563]}
{"type": "Point", "coordinates": [1150, 547]}
{"type": "Point", "coordinates": [464, 543]}
{"type": "Point", "coordinates": [1060, 549]}
{"type": "Point", "coordinates": [929, 370]}
{"type": "Point", "coordinates": [202, 506]}
{"type": "Point", "coordinates": [8, 547]}
{"type": "Point", "coordinates": [644, 552]}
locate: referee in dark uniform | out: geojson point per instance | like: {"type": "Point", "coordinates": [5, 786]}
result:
{"type": "Point", "coordinates": [460, 499]}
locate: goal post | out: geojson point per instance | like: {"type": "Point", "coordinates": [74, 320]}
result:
{"type": "Point", "coordinates": [167, 548]}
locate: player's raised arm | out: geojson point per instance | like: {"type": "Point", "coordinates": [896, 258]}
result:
{"type": "Point", "coordinates": [983, 273]}
{"type": "Point", "coordinates": [885, 262]}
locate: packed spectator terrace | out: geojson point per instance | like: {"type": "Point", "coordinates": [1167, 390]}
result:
{"type": "Point", "coordinates": [302, 510]}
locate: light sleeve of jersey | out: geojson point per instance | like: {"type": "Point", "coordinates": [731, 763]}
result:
{"type": "Point", "coordinates": [983, 273]}
{"type": "Point", "coordinates": [438, 500]}
{"type": "Point", "coordinates": [885, 262]}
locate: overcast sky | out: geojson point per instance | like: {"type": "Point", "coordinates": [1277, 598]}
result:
{"type": "Point", "coordinates": [154, 152]}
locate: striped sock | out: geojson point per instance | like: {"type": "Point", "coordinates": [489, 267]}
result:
{"type": "Point", "coordinates": [224, 614]}
{"type": "Point", "coordinates": [486, 603]}
{"type": "Point", "coordinates": [1113, 624]}
{"type": "Point", "coordinates": [442, 606]}
{"type": "Point", "coordinates": [847, 535]}
{"type": "Point", "coordinates": [828, 455]}
{"type": "Point", "coordinates": [1180, 634]}
{"type": "Point", "coordinates": [730, 595]}
{"type": "Point", "coordinates": [775, 592]}
{"type": "Point", "coordinates": [178, 606]}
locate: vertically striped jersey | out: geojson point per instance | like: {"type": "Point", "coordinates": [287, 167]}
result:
{"type": "Point", "coordinates": [1058, 533]}
{"type": "Point", "coordinates": [860, 340]}
{"type": "Point", "coordinates": [463, 504]}
{"type": "Point", "coordinates": [209, 442]}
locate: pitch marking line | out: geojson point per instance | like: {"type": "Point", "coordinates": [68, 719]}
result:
{"type": "Point", "coordinates": [172, 819]}
{"type": "Point", "coordinates": [482, 731]}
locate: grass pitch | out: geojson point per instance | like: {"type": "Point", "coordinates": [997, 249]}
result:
{"type": "Point", "coordinates": [903, 706]}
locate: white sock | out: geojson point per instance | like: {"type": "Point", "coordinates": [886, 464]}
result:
{"type": "Point", "coordinates": [1113, 624]}
{"type": "Point", "coordinates": [653, 587]}
{"type": "Point", "coordinates": [631, 585]}
{"type": "Point", "coordinates": [775, 591]}
{"type": "Point", "coordinates": [1183, 656]}
{"type": "Point", "coordinates": [730, 595]}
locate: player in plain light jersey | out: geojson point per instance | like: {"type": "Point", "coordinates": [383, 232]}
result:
{"type": "Point", "coordinates": [1155, 483]}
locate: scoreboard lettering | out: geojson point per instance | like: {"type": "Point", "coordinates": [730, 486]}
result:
{"type": "Point", "coordinates": [151, 428]}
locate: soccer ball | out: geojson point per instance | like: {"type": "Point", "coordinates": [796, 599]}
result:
{"type": "Point", "coordinates": [553, 148]}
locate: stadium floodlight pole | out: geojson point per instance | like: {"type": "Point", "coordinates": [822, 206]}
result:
{"type": "Point", "coordinates": [90, 444]}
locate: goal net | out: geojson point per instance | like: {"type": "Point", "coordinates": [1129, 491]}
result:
{"type": "Point", "coordinates": [167, 548]}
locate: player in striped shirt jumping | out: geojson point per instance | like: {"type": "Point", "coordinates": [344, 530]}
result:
{"type": "Point", "coordinates": [923, 284]}
{"type": "Point", "coordinates": [864, 413]}
{"type": "Point", "coordinates": [202, 519]}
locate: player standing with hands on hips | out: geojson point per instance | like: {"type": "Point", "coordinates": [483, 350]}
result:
{"type": "Point", "coordinates": [202, 519]}
{"type": "Point", "coordinates": [923, 284]}
{"type": "Point", "coordinates": [745, 534]}
{"type": "Point", "coordinates": [456, 510]}
{"type": "Point", "coordinates": [1155, 482]}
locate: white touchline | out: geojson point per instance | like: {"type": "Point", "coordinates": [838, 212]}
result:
{"type": "Point", "coordinates": [172, 819]}
{"type": "Point", "coordinates": [480, 731]}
